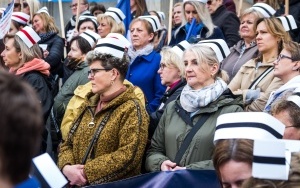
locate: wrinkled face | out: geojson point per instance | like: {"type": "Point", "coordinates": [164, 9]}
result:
{"type": "Point", "coordinates": [11, 57]}
{"type": "Point", "coordinates": [246, 27]}
{"type": "Point", "coordinates": [38, 24]}
{"type": "Point", "coordinates": [213, 5]}
{"type": "Point", "coordinates": [100, 78]}
{"type": "Point", "coordinates": [283, 65]}
{"type": "Point", "coordinates": [290, 132]}
{"type": "Point", "coordinates": [265, 41]}
{"type": "Point", "coordinates": [75, 52]}
{"type": "Point", "coordinates": [104, 28]}
{"type": "Point", "coordinates": [190, 13]}
{"type": "Point", "coordinates": [12, 28]}
{"type": "Point", "coordinates": [177, 15]}
{"type": "Point", "coordinates": [197, 74]}
{"type": "Point", "coordinates": [86, 25]}
{"type": "Point", "coordinates": [233, 173]}
{"type": "Point", "coordinates": [82, 7]}
{"type": "Point", "coordinates": [139, 35]}
{"type": "Point", "coordinates": [168, 74]}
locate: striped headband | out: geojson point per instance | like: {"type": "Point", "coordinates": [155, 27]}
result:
{"type": "Point", "coordinates": [248, 125]}
{"type": "Point", "coordinates": [270, 160]}
{"type": "Point", "coordinates": [265, 9]}
{"type": "Point", "coordinates": [295, 97]}
{"type": "Point", "coordinates": [181, 47]}
{"type": "Point", "coordinates": [153, 20]}
{"type": "Point", "coordinates": [28, 36]}
{"type": "Point", "coordinates": [112, 46]}
{"type": "Point", "coordinates": [219, 46]}
{"type": "Point", "coordinates": [288, 22]}
{"type": "Point", "coordinates": [116, 14]}
{"type": "Point", "coordinates": [20, 17]}
{"type": "Point", "coordinates": [85, 17]}
{"type": "Point", "coordinates": [90, 36]}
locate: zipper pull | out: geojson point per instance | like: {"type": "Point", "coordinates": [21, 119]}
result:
{"type": "Point", "coordinates": [92, 124]}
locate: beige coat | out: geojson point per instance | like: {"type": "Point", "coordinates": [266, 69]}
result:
{"type": "Point", "coordinates": [246, 75]}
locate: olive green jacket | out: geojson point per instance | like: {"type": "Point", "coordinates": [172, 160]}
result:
{"type": "Point", "coordinates": [172, 130]}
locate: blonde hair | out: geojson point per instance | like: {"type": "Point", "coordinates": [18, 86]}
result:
{"type": "Point", "coordinates": [206, 55]}
{"type": "Point", "coordinates": [203, 14]}
{"type": "Point", "coordinates": [170, 58]}
{"type": "Point", "coordinates": [115, 27]}
{"type": "Point", "coordinates": [48, 22]}
{"type": "Point", "coordinates": [34, 6]}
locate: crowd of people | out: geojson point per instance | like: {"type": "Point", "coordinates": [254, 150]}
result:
{"type": "Point", "coordinates": [120, 105]}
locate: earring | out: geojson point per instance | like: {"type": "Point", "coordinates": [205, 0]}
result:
{"type": "Point", "coordinates": [112, 82]}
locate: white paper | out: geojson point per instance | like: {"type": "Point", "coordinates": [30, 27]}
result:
{"type": "Point", "coordinates": [43, 46]}
{"type": "Point", "coordinates": [49, 171]}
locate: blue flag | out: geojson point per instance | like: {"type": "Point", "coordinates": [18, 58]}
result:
{"type": "Point", "coordinates": [191, 29]}
{"type": "Point", "coordinates": [124, 6]}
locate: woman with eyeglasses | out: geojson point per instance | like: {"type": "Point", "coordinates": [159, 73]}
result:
{"type": "Point", "coordinates": [246, 48]}
{"type": "Point", "coordinates": [171, 71]}
{"type": "Point", "coordinates": [107, 139]}
{"type": "Point", "coordinates": [287, 68]}
{"type": "Point", "coordinates": [204, 27]}
{"type": "Point", "coordinates": [255, 80]}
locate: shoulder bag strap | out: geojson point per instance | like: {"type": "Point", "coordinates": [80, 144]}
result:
{"type": "Point", "coordinates": [187, 140]}
{"type": "Point", "coordinates": [96, 136]}
{"type": "Point", "coordinates": [258, 79]}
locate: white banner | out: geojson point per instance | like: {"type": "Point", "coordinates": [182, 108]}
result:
{"type": "Point", "coordinates": [6, 19]}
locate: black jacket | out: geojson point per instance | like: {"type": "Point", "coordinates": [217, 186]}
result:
{"type": "Point", "coordinates": [168, 97]}
{"type": "Point", "coordinates": [56, 52]}
{"type": "Point", "coordinates": [229, 23]}
{"type": "Point", "coordinates": [294, 6]}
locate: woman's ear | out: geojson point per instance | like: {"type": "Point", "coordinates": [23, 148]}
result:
{"type": "Point", "coordinates": [296, 66]}
{"type": "Point", "coordinates": [114, 73]}
{"type": "Point", "coordinates": [151, 36]}
{"type": "Point", "coordinates": [214, 68]}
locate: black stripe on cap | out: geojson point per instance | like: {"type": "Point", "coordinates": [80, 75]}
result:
{"type": "Point", "coordinates": [264, 9]}
{"type": "Point", "coordinates": [288, 21]}
{"type": "Point", "coordinates": [269, 160]}
{"type": "Point", "coordinates": [297, 94]}
{"type": "Point", "coordinates": [250, 125]}
{"type": "Point", "coordinates": [111, 46]}
{"type": "Point", "coordinates": [219, 46]}
{"type": "Point", "coordinates": [180, 47]}
{"type": "Point", "coordinates": [94, 39]}
{"type": "Point", "coordinates": [154, 22]}
{"type": "Point", "coordinates": [119, 16]}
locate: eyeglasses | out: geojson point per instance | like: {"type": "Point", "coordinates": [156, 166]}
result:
{"type": "Point", "coordinates": [92, 72]}
{"type": "Point", "coordinates": [162, 66]}
{"type": "Point", "coordinates": [75, 5]}
{"type": "Point", "coordinates": [281, 56]}
{"type": "Point", "coordinates": [209, 2]}
{"type": "Point", "coordinates": [16, 5]}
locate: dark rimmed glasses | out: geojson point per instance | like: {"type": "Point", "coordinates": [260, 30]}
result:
{"type": "Point", "coordinates": [162, 66]}
{"type": "Point", "coordinates": [92, 72]}
{"type": "Point", "coordinates": [281, 56]}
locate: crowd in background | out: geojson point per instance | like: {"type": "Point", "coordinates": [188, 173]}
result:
{"type": "Point", "coordinates": [116, 105]}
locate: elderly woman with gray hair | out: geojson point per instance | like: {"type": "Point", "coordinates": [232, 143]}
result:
{"type": "Point", "coordinates": [184, 136]}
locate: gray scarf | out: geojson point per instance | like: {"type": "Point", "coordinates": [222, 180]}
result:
{"type": "Point", "coordinates": [133, 54]}
{"type": "Point", "coordinates": [191, 100]}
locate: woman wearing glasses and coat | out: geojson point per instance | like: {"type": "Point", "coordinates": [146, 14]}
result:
{"type": "Point", "coordinates": [107, 139]}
